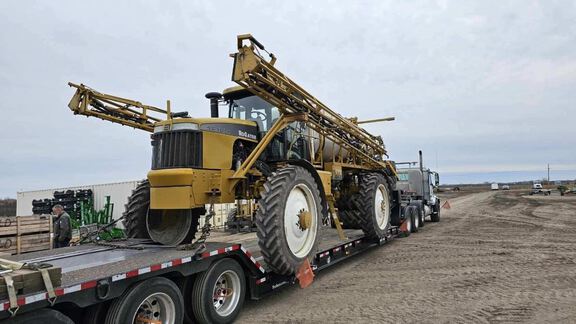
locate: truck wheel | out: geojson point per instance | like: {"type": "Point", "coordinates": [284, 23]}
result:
{"type": "Point", "coordinates": [420, 214]}
{"type": "Point", "coordinates": [288, 219]}
{"type": "Point", "coordinates": [435, 217]}
{"type": "Point", "coordinates": [375, 205]}
{"type": "Point", "coordinates": [136, 211]}
{"type": "Point", "coordinates": [153, 300]}
{"type": "Point", "coordinates": [350, 219]}
{"type": "Point", "coordinates": [218, 293]}
{"type": "Point", "coordinates": [413, 213]}
{"type": "Point", "coordinates": [409, 220]}
{"type": "Point", "coordinates": [41, 316]}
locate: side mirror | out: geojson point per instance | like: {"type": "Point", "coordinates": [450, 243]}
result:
{"type": "Point", "coordinates": [436, 179]}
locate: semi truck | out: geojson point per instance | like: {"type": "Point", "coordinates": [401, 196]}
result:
{"type": "Point", "coordinates": [417, 184]}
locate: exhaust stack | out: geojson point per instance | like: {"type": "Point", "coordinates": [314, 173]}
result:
{"type": "Point", "coordinates": [214, 97]}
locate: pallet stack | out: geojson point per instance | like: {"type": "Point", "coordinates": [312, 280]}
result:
{"type": "Point", "coordinates": [20, 234]}
{"type": "Point", "coordinates": [72, 201]}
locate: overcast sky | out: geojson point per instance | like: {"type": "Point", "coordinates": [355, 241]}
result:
{"type": "Point", "coordinates": [480, 86]}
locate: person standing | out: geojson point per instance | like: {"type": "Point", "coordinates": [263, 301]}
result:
{"type": "Point", "coordinates": [62, 227]}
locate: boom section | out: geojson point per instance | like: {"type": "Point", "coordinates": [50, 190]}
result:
{"type": "Point", "coordinates": [89, 102]}
{"type": "Point", "coordinates": [261, 78]}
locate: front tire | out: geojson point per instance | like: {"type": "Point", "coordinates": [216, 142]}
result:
{"type": "Point", "coordinates": [375, 205]}
{"type": "Point", "coordinates": [290, 196]}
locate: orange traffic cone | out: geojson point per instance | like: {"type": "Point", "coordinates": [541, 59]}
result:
{"type": "Point", "coordinates": [305, 275]}
{"type": "Point", "coordinates": [446, 205]}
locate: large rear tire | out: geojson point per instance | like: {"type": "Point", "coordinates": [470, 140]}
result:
{"type": "Point", "coordinates": [350, 219]}
{"type": "Point", "coordinates": [375, 205]}
{"type": "Point", "coordinates": [288, 219]}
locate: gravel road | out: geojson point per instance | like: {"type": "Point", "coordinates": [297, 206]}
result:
{"type": "Point", "coordinates": [496, 257]}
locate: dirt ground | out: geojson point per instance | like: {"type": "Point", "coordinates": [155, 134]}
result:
{"type": "Point", "coordinates": [496, 257]}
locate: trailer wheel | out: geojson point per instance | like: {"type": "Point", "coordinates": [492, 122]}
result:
{"type": "Point", "coordinates": [435, 217]}
{"type": "Point", "coordinates": [218, 293]}
{"type": "Point", "coordinates": [41, 316]}
{"type": "Point", "coordinates": [375, 205]}
{"type": "Point", "coordinates": [136, 211]}
{"type": "Point", "coordinates": [289, 218]}
{"type": "Point", "coordinates": [155, 299]}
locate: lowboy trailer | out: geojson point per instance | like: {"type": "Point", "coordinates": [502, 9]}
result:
{"type": "Point", "coordinates": [119, 283]}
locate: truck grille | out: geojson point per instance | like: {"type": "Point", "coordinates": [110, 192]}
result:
{"type": "Point", "coordinates": [177, 149]}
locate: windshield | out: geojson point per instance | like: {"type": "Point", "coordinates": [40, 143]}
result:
{"type": "Point", "coordinates": [255, 109]}
{"type": "Point", "coordinates": [403, 176]}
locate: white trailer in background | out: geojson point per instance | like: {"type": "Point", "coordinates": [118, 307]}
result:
{"type": "Point", "coordinates": [118, 192]}
{"type": "Point", "coordinates": [494, 186]}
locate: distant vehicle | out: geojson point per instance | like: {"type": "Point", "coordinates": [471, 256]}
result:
{"type": "Point", "coordinates": [494, 186]}
{"type": "Point", "coordinates": [537, 189]}
{"type": "Point", "coordinates": [505, 187]}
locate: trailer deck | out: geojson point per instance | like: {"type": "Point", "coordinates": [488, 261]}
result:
{"type": "Point", "coordinates": [92, 273]}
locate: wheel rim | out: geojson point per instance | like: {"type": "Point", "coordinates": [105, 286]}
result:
{"type": "Point", "coordinates": [381, 206]}
{"type": "Point", "coordinates": [168, 227]}
{"type": "Point", "coordinates": [157, 307]}
{"type": "Point", "coordinates": [300, 241]}
{"type": "Point", "coordinates": [416, 222]}
{"type": "Point", "coordinates": [226, 293]}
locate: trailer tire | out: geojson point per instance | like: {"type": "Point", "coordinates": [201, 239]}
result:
{"type": "Point", "coordinates": [155, 294]}
{"type": "Point", "coordinates": [296, 184]}
{"type": "Point", "coordinates": [435, 217]}
{"type": "Point", "coordinates": [136, 211]}
{"type": "Point", "coordinates": [41, 316]}
{"type": "Point", "coordinates": [96, 314]}
{"type": "Point", "coordinates": [225, 272]}
{"type": "Point", "coordinates": [375, 205]}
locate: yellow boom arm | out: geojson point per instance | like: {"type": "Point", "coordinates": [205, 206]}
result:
{"type": "Point", "coordinates": [260, 77]}
{"type": "Point", "coordinates": [89, 102]}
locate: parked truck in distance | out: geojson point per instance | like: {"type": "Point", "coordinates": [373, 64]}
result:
{"type": "Point", "coordinates": [417, 185]}
{"type": "Point", "coordinates": [537, 189]}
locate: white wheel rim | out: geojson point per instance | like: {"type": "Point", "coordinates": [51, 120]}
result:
{"type": "Point", "coordinates": [382, 207]}
{"type": "Point", "coordinates": [300, 242]}
{"type": "Point", "coordinates": [416, 222]}
{"type": "Point", "coordinates": [157, 307]}
{"type": "Point", "coordinates": [226, 293]}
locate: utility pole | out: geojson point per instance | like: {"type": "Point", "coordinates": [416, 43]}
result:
{"type": "Point", "coordinates": [548, 172]}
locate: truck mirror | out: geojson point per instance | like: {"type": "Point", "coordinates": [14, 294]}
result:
{"type": "Point", "coordinates": [436, 179]}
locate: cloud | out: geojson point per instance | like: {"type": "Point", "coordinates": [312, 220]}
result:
{"type": "Point", "coordinates": [479, 85]}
